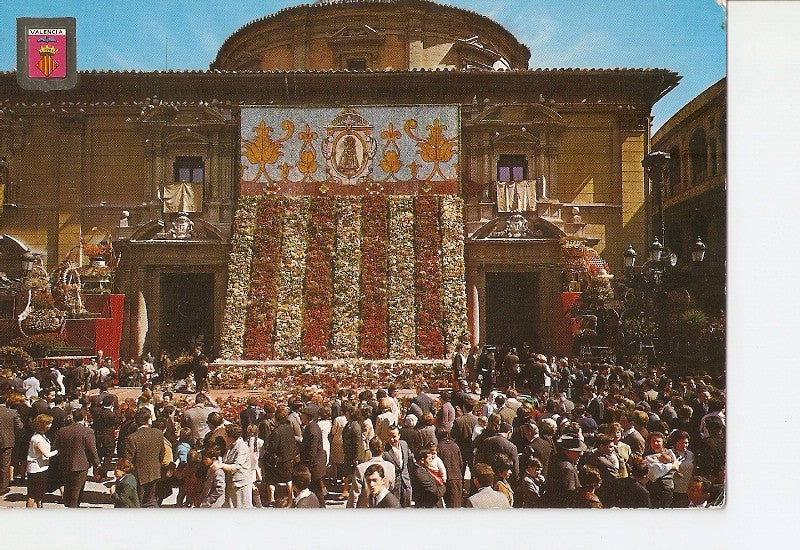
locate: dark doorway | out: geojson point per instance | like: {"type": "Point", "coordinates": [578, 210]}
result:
{"type": "Point", "coordinates": [187, 310]}
{"type": "Point", "coordinates": [511, 303]}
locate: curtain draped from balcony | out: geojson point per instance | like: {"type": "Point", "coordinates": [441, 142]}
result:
{"type": "Point", "coordinates": [516, 196]}
{"type": "Point", "coordinates": [183, 197]}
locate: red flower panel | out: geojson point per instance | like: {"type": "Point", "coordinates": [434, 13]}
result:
{"type": "Point", "coordinates": [261, 311]}
{"type": "Point", "coordinates": [374, 227]}
{"type": "Point", "coordinates": [319, 278]}
{"type": "Point", "coordinates": [428, 278]}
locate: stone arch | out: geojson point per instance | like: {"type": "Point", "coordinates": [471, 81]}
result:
{"type": "Point", "coordinates": [698, 156]}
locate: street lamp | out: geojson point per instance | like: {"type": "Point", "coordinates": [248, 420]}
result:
{"type": "Point", "coordinates": [27, 260]}
{"type": "Point", "coordinates": [629, 257]}
{"type": "Point", "coordinates": [698, 251]}
{"type": "Point", "coordinates": [656, 248]}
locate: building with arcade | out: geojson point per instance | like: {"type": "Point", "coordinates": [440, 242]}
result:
{"type": "Point", "coordinates": [375, 179]}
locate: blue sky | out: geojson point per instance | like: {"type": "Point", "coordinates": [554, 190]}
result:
{"type": "Point", "coordinates": [685, 36]}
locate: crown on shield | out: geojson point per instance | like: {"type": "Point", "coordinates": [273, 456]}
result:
{"type": "Point", "coordinates": [47, 50]}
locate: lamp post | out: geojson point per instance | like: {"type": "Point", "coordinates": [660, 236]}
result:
{"type": "Point", "coordinates": [648, 282]}
{"type": "Point", "coordinates": [654, 164]}
{"type": "Point", "coordinates": [27, 260]}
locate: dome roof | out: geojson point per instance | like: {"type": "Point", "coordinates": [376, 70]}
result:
{"type": "Point", "coordinates": [381, 34]}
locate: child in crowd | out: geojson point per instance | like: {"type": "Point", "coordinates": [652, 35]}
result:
{"type": "Point", "coordinates": [190, 480]}
{"type": "Point", "coordinates": [125, 492]}
{"type": "Point", "coordinates": [183, 447]}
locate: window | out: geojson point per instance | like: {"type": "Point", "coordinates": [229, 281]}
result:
{"type": "Point", "coordinates": [699, 160]}
{"type": "Point", "coordinates": [674, 170]}
{"type": "Point", "coordinates": [357, 64]}
{"type": "Point", "coordinates": [189, 169]}
{"type": "Point", "coordinates": [512, 168]}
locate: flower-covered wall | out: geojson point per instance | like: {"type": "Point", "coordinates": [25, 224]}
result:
{"type": "Point", "coordinates": [349, 235]}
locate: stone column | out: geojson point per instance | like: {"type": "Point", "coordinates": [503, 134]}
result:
{"type": "Point", "coordinates": [473, 312]}
{"type": "Point", "coordinates": [540, 174]}
{"type": "Point", "coordinates": [551, 159]}
{"type": "Point", "coordinates": [481, 310]}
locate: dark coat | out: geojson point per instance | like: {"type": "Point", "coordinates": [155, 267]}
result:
{"type": "Point", "coordinates": [498, 444]}
{"type": "Point", "coordinates": [282, 447]}
{"type": "Point", "coordinates": [543, 449]}
{"type": "Point", "coordinates": [126, 493]}
{"type": "Point", "coordinates": [389, 501]}
{"type": "Point", "coordinates": [402, 482]}
{"type": "Point", "coordinates": [312, 454]}
{"type": "Point", "coordinates": [452, 459]}
{"type": "Point", "coordinates": [561, 483]}
{"type": "Point", "coordinates": [412, 437]}
{"type": "Point", "coordinates": [311, 501]}
{"type": "Point", "coordinates": [458, 367]}
{"type": "Point", "coordinates": [97, 401]}
{"type": "Point", "coordinates": [427, 493]}
{"type": "Point", "coordinates": [250, 415]}
{"type": "Point", "coordinates": [352, 442]}
{"type": "Point", "coordinates": [596, 409]}
{"type": "Point", "coordinates": [635, 441]}
{"type": "Point", "coordinates": [629, 493]}
{"type": "Point", "coordinates": [104, 422]}
{"type": "Point", "coordinates": [59, 419]}
{"type": "Point", "coordinates": [77, 448]}
{"type": "Point", "coordinates": [424, 402]}
{"type": "Point", "coordinates": [711, 456]}
{"type": "Point", "coordinates": [462, 433]}
{"type": "Point", "coordinates": [145, 449]}
{"type": "Point", "coordinates": [10, 427]}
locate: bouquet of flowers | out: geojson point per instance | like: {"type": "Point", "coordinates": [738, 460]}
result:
{"type": "Point", "coordinates": [43, 320]}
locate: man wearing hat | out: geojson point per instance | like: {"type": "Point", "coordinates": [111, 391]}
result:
{"type": "Point", "coordinates": [562, 477]}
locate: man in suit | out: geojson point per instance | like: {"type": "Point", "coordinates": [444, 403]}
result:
{"type": "Point", "coordinates": [450, 455]}
{"type": "Point", "coordinates": [358, 497]}
{"type": "Point", "coordinates": [104, 422]}
{"type": "Point", "coordinates": [499, 444]}
{"type": "Point", "coordinates": [378, 494]}
{"type": "Point", "coordinates": [97, 400]}
{"type": "Point", "coordinates": [540, 443]}
{"type": "Point", "coordinates": [486, 497]}
{"type": "Point", "coordinates": [77, 451]}
{"type": "Point", "coordinates": [594, 405]}
{"type": "Point", "coordinates": [199, 368]}
{"type": "Point", "coordinates": [312, 453]}
{"type": "Point", "coordinates": [251, 414]}
{"type": "Point", "coordinates": [561, 482]}
{"type": "Point", "coordinates": [399, 455]}
{"type": "Point", "coordinates": [410, 434]}
{"type": "Point", "coordinates": [10, 428]}
{"type": "Point", "coordinates": [459, 363]}
{"type": "Point", "coordinates": [423, 400]}
{"type": "Point", "coordinates": [462, 431]}
{"type": "Point", "coordinates": [195, 417]}
{"type": "Point", "coordinates": [630, 435]}
{"type": "Point", "coordinates": [303, 497]}
{"type": "Point", "coordinates": [59, 411]}
{"type": "Point", "coordinates": [145, 449]}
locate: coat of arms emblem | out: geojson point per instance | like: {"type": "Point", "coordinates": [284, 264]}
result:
{"type": "Point", "coordinates": [47, 53]}
{"type": "Point", "coordinates": [349, 148]}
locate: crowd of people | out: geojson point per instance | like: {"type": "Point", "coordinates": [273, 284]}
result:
{"type": "Point", "coordinates": [520, 431]}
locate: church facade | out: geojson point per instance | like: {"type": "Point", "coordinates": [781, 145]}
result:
{"type": "Point", "coordinates": [370, 179]}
